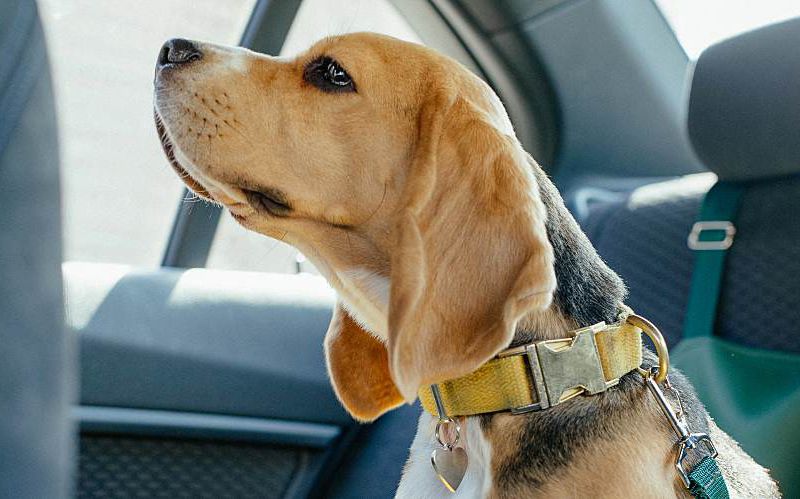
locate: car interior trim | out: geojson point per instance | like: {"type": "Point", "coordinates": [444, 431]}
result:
{"type": "Point", "coordinates": [176, 424]}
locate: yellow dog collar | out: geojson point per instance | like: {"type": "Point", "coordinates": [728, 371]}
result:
{"type": "Point", "coordinates": [542, 374]}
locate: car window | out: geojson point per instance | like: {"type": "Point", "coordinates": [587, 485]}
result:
{"type": "Point", "coordinates": [119, 194]}
{"type": "Point", "coordinates": [234, 248]}
{"type": "Point", "coordinates": [700, 23]}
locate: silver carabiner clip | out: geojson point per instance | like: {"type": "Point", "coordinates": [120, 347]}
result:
{"type": "Point", "coordinates": [687, 441]}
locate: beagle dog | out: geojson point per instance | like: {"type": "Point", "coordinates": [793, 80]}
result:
{"type": "Point", "coordinates": [397, 172]}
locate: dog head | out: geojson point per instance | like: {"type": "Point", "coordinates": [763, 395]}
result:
{"type": "Point", "coordinates": [396, 171]}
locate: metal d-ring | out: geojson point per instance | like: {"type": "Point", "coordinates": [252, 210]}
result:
{"type": "Point", "coordinates": [655, 336]}
{"type": "Point", "coordinates": [444, 419]}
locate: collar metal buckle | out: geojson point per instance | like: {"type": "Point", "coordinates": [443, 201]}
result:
{"type": "Point", "coordinates": [563, 369]}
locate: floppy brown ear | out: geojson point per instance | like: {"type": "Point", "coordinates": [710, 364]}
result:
{"type": "Point", "coordinates": [472, 254]}
{"type": "Point", "coordinates": [358, 365]}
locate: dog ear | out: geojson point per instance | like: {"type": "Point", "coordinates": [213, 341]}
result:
{"type": "Point", "coordinates": [472, 255]}
{"type": "Point", "coordinates": [358, 365]}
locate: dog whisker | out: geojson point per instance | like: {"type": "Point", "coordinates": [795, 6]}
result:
{"type": "Point", "coordinates": [235, 129]}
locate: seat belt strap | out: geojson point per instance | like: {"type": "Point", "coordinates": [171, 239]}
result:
{"type": "Point", "coordinates": [710, 238]}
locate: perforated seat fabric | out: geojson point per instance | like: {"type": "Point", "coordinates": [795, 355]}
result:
{"type": "Point", "coordinates": [643, 238]}
{"type": "Point", "coordinates": [760, 304]}
{"type": "Point", "coordinates": [115, 466]}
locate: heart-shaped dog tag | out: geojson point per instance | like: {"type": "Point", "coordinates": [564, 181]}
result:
{"type": "Point", "coordinates": [450, 466]}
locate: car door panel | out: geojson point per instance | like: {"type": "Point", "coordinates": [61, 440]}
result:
{"type": "Point", "coordinates": [180, 364]}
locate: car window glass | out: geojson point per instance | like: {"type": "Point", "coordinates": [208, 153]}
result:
{"type": "Point", "coordinates": [119, 194]}
{"type": "Point", "coordinates": [700, 23]}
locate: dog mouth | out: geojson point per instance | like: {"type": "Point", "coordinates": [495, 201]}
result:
{"type": "Point", "coordinates": [169, 150]}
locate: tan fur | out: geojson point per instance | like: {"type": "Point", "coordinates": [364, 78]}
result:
{"type": "Point", "coordinates": [359, 368]}
{"type": "Point", "coordinates": [415, 184]}
{"type": "Point", "coordinates": [642, 441]}
{"type": "Point", "coordinates": [596, 471]}
{"type": "Point", "coordinates": [468, 183]}
{"type": "Point", "coordinates": [447, 149]}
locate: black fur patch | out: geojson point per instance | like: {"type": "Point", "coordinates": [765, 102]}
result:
{"type": "Point", "coordinates": [587, 289]}
{"type": "Point", "coordinates": [552, 438]}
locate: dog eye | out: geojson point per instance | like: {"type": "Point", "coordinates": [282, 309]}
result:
{"type": "Point", "coordinates": [338, 76]}
{"type": "Point", "coordinates": [328, 75]}
{"type": "Point", "coordinates": [269, 201]}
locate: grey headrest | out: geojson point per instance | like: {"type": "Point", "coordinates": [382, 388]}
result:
{"type": "Point", "coordinates": [744, 106]}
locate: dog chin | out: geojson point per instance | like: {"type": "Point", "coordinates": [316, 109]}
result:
{"type": "Point", "coordinates": [169, 150]}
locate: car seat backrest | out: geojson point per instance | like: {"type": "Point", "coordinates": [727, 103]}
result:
{"type": "Point", "coordinates": [744, 122]}
{"type": "Point", "coordinates": [744, 105]}
{"type": "Point", "coordinates": [36, 371]}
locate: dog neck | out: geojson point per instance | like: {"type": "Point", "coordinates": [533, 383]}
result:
{"type": "Point", "coordinates": [522, 453]}
{"type": "Point", "coordinates": [588, 291]}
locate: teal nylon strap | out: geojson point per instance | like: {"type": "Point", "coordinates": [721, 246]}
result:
{"type": "Point", "coordinates": [720, 204]}
{"type": "Point", "coordinates": [707, 481]}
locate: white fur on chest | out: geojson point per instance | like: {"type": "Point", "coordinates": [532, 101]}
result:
{"type": "Point", "coordinates": [420, 481]}
{"type": "Point", "coordinates": [366, 296]}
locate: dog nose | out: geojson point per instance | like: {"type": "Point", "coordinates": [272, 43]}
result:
{"type": "Point", "coordinates": [178, 51]}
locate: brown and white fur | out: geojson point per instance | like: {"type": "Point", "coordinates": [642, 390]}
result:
{"type": "Point", "coordinates": [404, 183]}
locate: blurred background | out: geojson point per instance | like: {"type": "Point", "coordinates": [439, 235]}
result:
{"type": "Point", "coordinates": [103, 55]}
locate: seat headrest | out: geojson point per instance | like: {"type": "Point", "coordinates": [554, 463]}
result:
{"type": "Point", "coordinates": [744, 105]}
